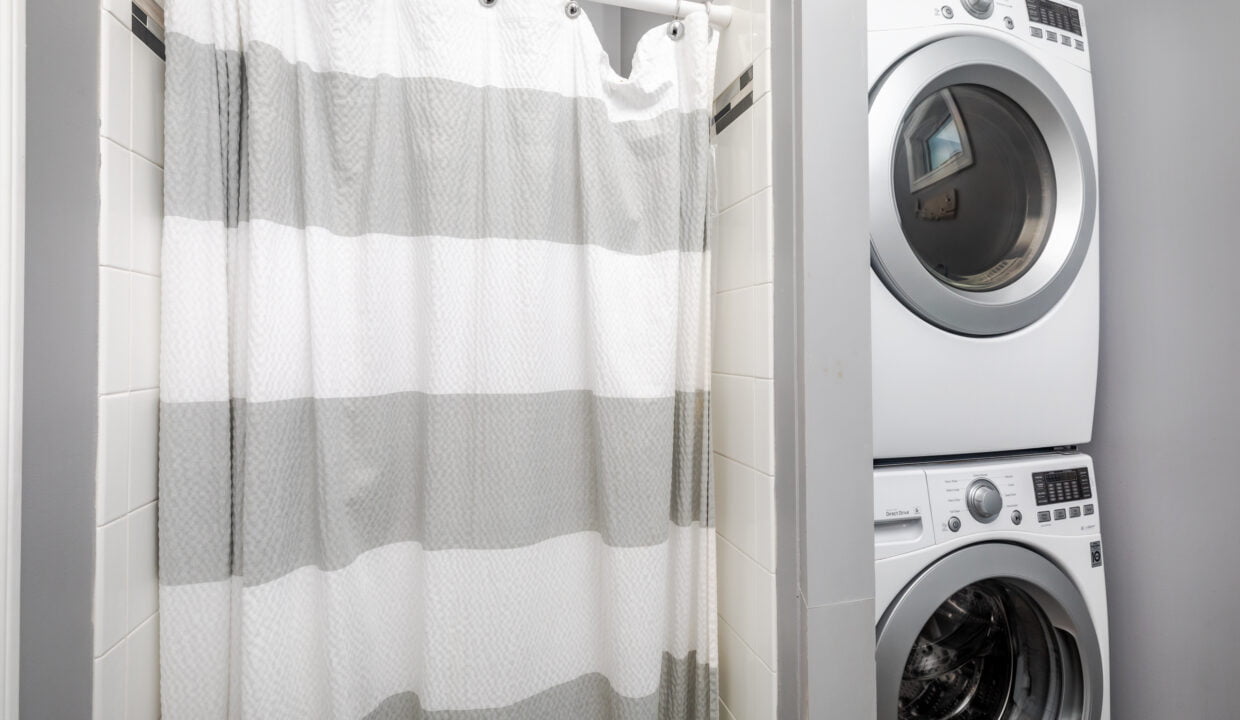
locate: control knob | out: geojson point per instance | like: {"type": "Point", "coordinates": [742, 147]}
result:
{"type": "Point", "coordinates": [984, 501]}
{"type": "Point", "coordinates": [980, 9]}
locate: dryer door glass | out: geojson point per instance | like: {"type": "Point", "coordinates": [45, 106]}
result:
{"type": "Point", "coordinates": [988, 652]}
{"type": "Point", "coordinates": [982, 187]}
{"type": "Point", "coordinates": [974, 187]}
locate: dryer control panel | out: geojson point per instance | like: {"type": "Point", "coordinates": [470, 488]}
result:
{"type": "Point", "coordinates": [1056, 23]}
{"type": "Point", "coordinates": [1055, 28]}
{"type": "Point", "coordinates": [1056, 15]}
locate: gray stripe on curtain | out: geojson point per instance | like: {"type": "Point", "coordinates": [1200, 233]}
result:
{"type": "Point", "coordinates": [326, 480]}
{"type": "Point", "coordinates": [685, 691]}
{"type": "Point", "coordinates": [317, 158]}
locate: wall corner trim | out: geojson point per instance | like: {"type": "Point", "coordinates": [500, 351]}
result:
{"type": "Point", "coordinates": [12, 269]}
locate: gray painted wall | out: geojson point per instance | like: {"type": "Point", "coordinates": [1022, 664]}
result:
{"type": "Point", "coordinates": [606, 22]}
{"type": "Point", "coordinates": [58, 469]}
{"type": "Point", "coordinates": [1169, 395]}
{"type": "Point", "coordinates": [635, 24]}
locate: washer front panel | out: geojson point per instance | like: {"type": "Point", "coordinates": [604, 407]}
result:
{"type": "Point", "coordinates": [1029, 575]}
{"type": "Point", "coordinates": [1009, 71]}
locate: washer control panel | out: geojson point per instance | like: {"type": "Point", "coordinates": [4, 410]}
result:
{"type": "Point", "coordinates": [1058, 486]}
{"type": "Point", "coordinates": [985, 502]}
{"type": "Point", "coordinates": [1052, 494]}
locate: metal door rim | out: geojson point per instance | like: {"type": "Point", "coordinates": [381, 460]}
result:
{"type": "Point", "coordinates": [1017, 564]}
{"type": "Point", "coordinates": [1011, 71]}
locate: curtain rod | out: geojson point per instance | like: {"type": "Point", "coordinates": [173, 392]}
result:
{"type": "Point", "coordinates": [720, 15]}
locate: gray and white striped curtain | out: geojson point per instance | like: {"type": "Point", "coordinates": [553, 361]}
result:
{"type": "Point", "coordinates": [434, 436]}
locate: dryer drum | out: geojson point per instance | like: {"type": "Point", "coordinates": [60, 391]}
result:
{"type": "Point", "coordinates": [976, 146]}
{"type": "Point", "coordinates": [982, 186]}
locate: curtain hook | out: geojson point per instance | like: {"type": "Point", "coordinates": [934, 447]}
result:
{"type": "Point", "coordinates": [572, 9]}
{"type": "Point", "coordinates": [676, 28]}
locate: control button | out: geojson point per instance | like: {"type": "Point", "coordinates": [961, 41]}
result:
{"type": "Point", "coordinates": [1036, 32]}
{"type": "Point", "coordinates": [1061, 514]}
{"type": "Point", "coordinates": [948, 12]}
{"type": "Point", "coordinates": [1074, 511]}
{"type": "Point", "coordinates": [953, 523]}
{"type": "Point", "coordinates": [1089, 509]}
{"type": "Point", "coordinates": [1080, 45]}
{"type": "Point", "coordinates": [1017, 517]}
{"type": "Point", "coordinates": [1007, 23]}
{"type": "Point", "coordinates": [1052, 36]}
{"type": "Point", "coordinates": [980, 9]}
{"type": "Point", "coordinates": [1044, 516]}
{"type": "Point", "coordinates": [1065, 40]}
{"type": "Point", "coordinates": [984, 501]}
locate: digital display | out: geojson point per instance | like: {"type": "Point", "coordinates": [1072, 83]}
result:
{"type": "Point", "coordinates": [1055, 15]}
{"type": "Point", "coordinates": [1060, 486]}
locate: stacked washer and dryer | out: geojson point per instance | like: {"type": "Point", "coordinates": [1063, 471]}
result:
{"type": "Point", "coordinates": [990, 597]}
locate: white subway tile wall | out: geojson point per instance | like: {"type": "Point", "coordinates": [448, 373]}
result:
{"type": "Point", "coordinates": [126, 682]}
{"type": "Point", "coordinates": [742, 386]}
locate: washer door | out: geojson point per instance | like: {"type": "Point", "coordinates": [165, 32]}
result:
{"type": "Point", "coordinates": [991, 632]}
{"type": "Point", "coordinates": [982, 186]}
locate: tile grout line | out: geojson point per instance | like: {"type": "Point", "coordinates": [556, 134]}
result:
{"type": "Point", "coordinates": [740, 550]}
{"type": "Point", "coordinates": [760, 471]}
{"type": "Point", "coordinates": [130, 633]}
{"type": "Point", "coordinates": [130, 270]}
{"type": "Point", "coordinates": [745, 642]}
{"type": "Point", "coordinates": [743, 463]}
{"type": "Point", "coordinates": [125, 515]}
{"type": "Point", "coordinates": [764, 283]}
{"type": "Point", "coordinates": [743, 377]}
{"type": "Point", "coordinates": [725, 539]}
{"type": "Point", "coordinates": [751, 195]}
{"type": "Point", "coordinates": [116, 393]}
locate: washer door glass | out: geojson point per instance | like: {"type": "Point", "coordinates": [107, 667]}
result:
{"type": "Point", "coordinates": [987, 652]}
{"type": "Point", "coordinates": [974, 187]}
{"type": "Point", "coordinates": [993, 631]}
{"type": "Point", "coordinates": [982, 188]}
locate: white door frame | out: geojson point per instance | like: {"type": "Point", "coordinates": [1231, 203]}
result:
{"type": "Point", "coordinates": [12, 275]}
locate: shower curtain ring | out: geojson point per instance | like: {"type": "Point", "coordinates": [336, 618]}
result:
{"type": "Point", "coordinates": [676, 28]}
{"type": "Point", "coordinates": [572, 9]}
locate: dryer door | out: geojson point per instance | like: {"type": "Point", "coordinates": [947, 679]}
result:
{"type": "Point", "coordinates": [991, 632]}
{"type": "Point", "coordinates": [982, 186]}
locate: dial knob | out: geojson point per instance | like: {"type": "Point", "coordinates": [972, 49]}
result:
{"type": "Point", "coordinates": [979, 8]}
{"type": "Point", "coordinates": [984, 499]}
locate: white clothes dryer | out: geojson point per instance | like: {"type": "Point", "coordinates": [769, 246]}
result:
{"type": "Point", "coordinates": [984, 226]}
{"type": "Point", "coordinates": [990, 593]}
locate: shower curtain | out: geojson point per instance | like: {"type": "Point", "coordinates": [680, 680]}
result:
{"type": "Point", "coordinates": [434, 426]}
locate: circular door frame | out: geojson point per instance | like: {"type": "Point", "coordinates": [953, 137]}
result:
{"type": "Point", "coordinates": [1005, 68]}
{"type": "Point", "coordinates": [1020, 566]}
